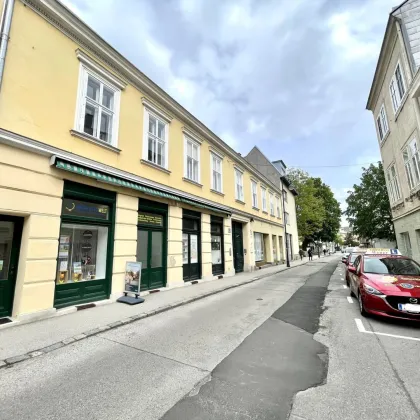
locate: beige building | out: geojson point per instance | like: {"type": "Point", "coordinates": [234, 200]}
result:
{"type": "Point", "coordinates": [394, 102]}
{"type": "Point", "coordinates": [100, 167]}
{"type": "Point", "coordinates": [276, 172]}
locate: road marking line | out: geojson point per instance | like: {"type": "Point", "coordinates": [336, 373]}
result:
{"type": "Point", "coordinates": [362, 329]}
{"type": "Point", "coordinates": [349, 299]}
{"type": "Point", "coordinates": [344, 286]}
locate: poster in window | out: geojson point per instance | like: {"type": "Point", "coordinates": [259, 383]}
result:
{"type": "Point", "coordinates": [184, 248]}
{"type": "Point", "coordinates": [132, 277]}
{"type": "Point", "coordinates": [64, 265]}
{"type": "Point", "coordinates": [194, 248]}
{"type": "Point", "coordinates": [63, 251]}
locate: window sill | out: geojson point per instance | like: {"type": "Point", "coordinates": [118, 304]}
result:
{"type": "Point", "coordinates": [265, 212]}
{"type": "Point", "coordinates": [255, 208]}
{"type": "Point", "coordinates": [192, 182]}
{"type": "Point", "coordinates": [385, 138]}
{"type": "Point", "coordinates": [153, 165]}
{"type": "Point", "coordinates": [217, 192]}
{"type": "Point", "coordinates": [94, 140]}
{"type": "Point", "coordinates": [240, 201]}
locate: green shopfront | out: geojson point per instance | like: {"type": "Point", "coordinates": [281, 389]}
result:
{"type": "Point", "coordinates": [85, 251]}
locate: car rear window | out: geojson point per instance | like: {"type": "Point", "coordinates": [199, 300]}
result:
{"type": "Point", "coordinates": [395, 266]}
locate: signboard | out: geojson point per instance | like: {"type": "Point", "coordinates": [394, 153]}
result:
{"type": "Point", "coordinates": [84, 209]}
{"type": "Point", "coordinates": [132, 277]}
{"type": "Point", "coordinates": [382, 251]}
{"type": "Point", "coordinates": [150, 219]}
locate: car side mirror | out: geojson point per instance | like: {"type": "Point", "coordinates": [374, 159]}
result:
{"type": "Point", "coordinates": [352, 269]}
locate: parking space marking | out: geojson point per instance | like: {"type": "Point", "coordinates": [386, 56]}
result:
{"type": "Point", "coordinates": [349, 299]}
{"type": "Point", "coordinates": [344, 286]}
{"type": "Point", "coordinates": [362, 329]}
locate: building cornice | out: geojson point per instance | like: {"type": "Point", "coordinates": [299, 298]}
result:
{"type": "Point", "coordinates": [70, 25]}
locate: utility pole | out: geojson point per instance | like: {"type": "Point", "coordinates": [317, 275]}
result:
{"type": "Point", "coordinates": [285, 226]}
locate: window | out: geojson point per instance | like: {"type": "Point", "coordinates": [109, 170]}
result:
{"type": "Point", "coordinates": [271, 198]}
{"type": "Point", "coordinates": [258, 246]}
{"type": "Point", "coordinates": [264, 198]}
{"type": "Point", "coordinates": [239, 185]}
{"type": "Point", "coordinates": [285, 196]}
{"type": "Point", "coordinates": [394, 189]}
{"type": "Point", "coordinates": [254, 194]}
{"type": "Point", "coordinates": [286, 218]}
{"type": "Point", "coordinates": [156, 140]}
{"type": "Point", "coordinates": [406, 243]}
{"type": "Point", "coordinates": [397, 88]}
{"type": "Point", "coordinates": [382, 123]}
{"type": "Point", "coordinates": [192, 160]}
{"type": "Point", "coordinates": [278, 207]}
{"type": "Point", "coordinates": [98, 107]}
{"type": "Point", "coordinates": [412, 164]}
{"type": "Point", "coordinates": [216, 173]}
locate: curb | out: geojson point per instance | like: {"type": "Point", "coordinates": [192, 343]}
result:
{"type": "Point", "coordinates": [9, 362]}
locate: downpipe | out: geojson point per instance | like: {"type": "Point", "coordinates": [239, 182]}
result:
{"type": "Point", "coordinates": [5, 23]}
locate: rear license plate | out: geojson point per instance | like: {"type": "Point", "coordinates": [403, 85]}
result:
{"type": "Point", "coordinates": [409, 307]}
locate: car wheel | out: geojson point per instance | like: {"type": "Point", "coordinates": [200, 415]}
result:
{"type": "Point", "coordinates": [361, 305]}
{"type": "Point", "coordinates": [351, 291]}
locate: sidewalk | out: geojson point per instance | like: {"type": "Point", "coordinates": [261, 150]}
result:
{"type": "Point", "coordinates": [33, 339]}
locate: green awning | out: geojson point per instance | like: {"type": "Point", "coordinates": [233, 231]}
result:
{"type": "Point", "coordinates": [100, 176]}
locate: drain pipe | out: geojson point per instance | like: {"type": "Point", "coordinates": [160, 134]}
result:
{"type": "Point", "coordinates": [5, 23]}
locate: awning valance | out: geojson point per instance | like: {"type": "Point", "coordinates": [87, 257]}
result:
{"type": "Point", "coordinates": [121, 182]}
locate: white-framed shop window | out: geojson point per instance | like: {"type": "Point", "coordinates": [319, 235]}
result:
{"type": "Point", "coordinates": [216, 173]}
{"type": "Point", "coordinates": [155, 143]}
{"type": "Point", "coordinates": [393, 185]}
{"type": "Point", "coordinates": [254, 194]}
{"type": "Point", "coordinates": [382, 123]}
{"type": "Point", "coordinates": [192, 159]}
{"type": "Point", "coordinates": [264, 198]}
{"type": "Point", "coordinates": [397, 87]}
{"type": "Point", "coordinates": [98, 106]}
{"type": "Point", "coordinates": [271, 198]}
{"type": "Point", "coordinates": [412, 164]}
{"type": "Point", "coordinates": [258, 246]}
{"type": "Point", "coordinates": [239, 185]}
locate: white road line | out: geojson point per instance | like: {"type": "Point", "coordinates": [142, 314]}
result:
{"type": "Point", "coordinates": [362, 329]}
{"type": "Point", "coordinates": [344, 286]}
{"type": "Point", "coordinates": [349, 299]}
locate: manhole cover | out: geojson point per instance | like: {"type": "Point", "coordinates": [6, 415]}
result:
{"type": "Point", "coordinates": [259, 299]}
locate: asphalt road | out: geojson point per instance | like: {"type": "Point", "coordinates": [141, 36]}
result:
{"type": "Point", "coordinates": [371, 375]}
{"type": "Point", "coordinates": [247, 351]}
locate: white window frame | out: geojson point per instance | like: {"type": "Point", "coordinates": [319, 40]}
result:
{"type": "Point", "coordinates": [239, 182]}
{"type": "Point", "coordinates": [197, 144]}
{"type": "Point", "coordinates": [382, 123]}
{"type": "Point", "coordinates": [284, 192]}
{"type": "Point", "coordinates": [215, 156]}
{"type": "Point", "coordinates": [393, 184]}
{"type": "Point", "coordinates": [278, 206]}
{"type": "Point", "coordinates": [411, 160]}
{"type": "Point", "coordinates": [254, 193]}
{"type": "Point", "coordinates": [160, 117]}
{"type": "Point", "coordinates": [286, 218]}
{"type": "Point", "coordinates": [264, 198]}
{"type": "Point", "coordinates": [84, 72]}
{"type": "Point", "coordinates": [271, 201]}
{"type": "Point", "coordinates": [395, 89]}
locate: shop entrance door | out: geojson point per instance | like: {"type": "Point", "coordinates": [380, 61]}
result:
{"type": "Point", "coordinates": [10, 236]}
{"type": "Point", "coordinates": [150, 251]}
{"type": "Point", "coordinates": [191, 245]}
{"type": "Point", "coordinates": [238, 247]}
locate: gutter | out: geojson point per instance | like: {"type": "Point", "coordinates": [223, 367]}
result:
{"type": "Point", "coordinates": [5, 23]}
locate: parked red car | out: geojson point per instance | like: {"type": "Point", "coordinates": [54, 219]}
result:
{"type": "Point", "coordinates": [386, 285]}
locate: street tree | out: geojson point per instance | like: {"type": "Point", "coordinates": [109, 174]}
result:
{"type": "Point", "coordinates": [349, 240]}
{"type": "Point", "coordinates": [368, 209]}
{"type": "Point", "coordinates": [310, 212]}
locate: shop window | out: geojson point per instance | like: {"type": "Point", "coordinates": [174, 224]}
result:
{"type": "Point", "coordinates": [259, 246]}
{"type": "Point", "coordinates": [82, 253]}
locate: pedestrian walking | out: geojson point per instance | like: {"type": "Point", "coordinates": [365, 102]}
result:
{"type": "Point", "coordinates": [325, 252]}
{"type": "Point", "coordinates": [301, 253]}
{"type": "Point", "coordinates": [310, 254]}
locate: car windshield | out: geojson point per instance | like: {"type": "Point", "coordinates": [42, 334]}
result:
{"type": "Point", "coordinates": [396, 266]}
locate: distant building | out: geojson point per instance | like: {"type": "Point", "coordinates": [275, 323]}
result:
{"type": "Point", "coordinates": [394, 102]}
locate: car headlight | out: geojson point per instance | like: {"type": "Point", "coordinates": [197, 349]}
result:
{"type": "Point", "coordinates": [371, 290]}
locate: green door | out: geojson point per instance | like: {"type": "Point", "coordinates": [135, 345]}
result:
{"type": "Point", "coordinates": [10, 236]}
{"type": "Point", "coordinates": [151, 253]}
{"type": "Point", "coordinates": [238, 247]}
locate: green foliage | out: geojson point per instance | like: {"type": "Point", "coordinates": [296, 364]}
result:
{"type": "Point", "coordinates": [368, 209]}
{"type": "Point", "coordinates": [338, 240]}
{"type": "Point", "coordinates": [317, 211]}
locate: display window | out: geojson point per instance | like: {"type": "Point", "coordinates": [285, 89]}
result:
{"type": "Point", "coordinates": [259, 246]}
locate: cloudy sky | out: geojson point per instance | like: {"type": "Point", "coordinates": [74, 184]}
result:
{"type": "Point", "coordinates": [291, 76]}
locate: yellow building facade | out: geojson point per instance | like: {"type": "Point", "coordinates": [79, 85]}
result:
{"type": "Point", "coordinates": [100, 167]}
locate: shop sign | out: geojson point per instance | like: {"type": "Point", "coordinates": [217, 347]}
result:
{"type": "Point", "coordinates": [85, 209]}
{"type": "Point", "coordinates": [150, 219]}
{"type": "Point", "coordinates": [132, 277]}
